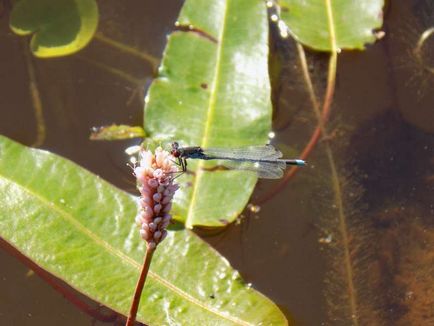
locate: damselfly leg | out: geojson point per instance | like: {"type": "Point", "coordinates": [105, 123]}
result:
{"type": "Point", "coordinates": [181, 162]}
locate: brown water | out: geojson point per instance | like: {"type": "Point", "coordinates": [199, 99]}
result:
{"type": "Point", "coordinates": [294, 249]}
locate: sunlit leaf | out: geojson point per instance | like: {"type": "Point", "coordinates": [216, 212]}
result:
{"type": "Point", "coordinates": [81, 229]}
{"type": "Point", "coordinates": [60, 27]}
{"type": "Point", "coordinates": [213, 90]}
{"type": "Point", "coordinates": [320, 23]}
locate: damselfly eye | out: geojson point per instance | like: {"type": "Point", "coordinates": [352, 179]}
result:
{"type": "Point", "coordinates": [175, 153]}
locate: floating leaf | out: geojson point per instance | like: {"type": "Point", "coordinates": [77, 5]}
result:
{"type": "Point", "coordinates": [213, 90]}
{"type": "Point", "coordinates": [61, 27]}
{"type": "Point", "coordinates": [81, 229]}
{"type": "Point", "coordinates": [116, 132]}
{"type": "Point", "coordinates": [319, 23]}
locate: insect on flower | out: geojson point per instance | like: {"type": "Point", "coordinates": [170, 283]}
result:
{"type": "Point", "coordinates": [265, 160]}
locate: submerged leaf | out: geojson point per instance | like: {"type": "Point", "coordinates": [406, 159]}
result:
{"type": "Point", "coordinates": [319, 23]}
{"type": "Point", "coordinates": [60, 27]}
{"type": "Point", "coordinates": [81, 229]}
{"type": "Point", "coordinates": [213, 90]}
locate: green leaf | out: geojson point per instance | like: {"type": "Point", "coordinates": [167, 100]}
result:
{"type": "Point", "coordinates": [60, 27]}
{"type": "Point", "coordinates": [116, 132]}
{"type": "Point", "coordinates": [213, 90]}
{"type": "Point", "coordinates": [321, 23]}
{"type": "Point", "coordinates": [81, 229]}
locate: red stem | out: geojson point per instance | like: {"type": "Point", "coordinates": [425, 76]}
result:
{"type": "Point", "coordinates": [139, 287]}
{"type": "Point", "coordinates": [320, 128]}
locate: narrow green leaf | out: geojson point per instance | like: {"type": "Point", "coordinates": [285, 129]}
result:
{"type": "Point", "coordinates": [321, 23]}
{"type": "Point", "coordinates": [60, 27]}
{"type": "Point", "coordinates": [116, 132]}
{"type": "Point", "coordinates": [213, 90]}
{"type": "Point", "coordinates": [81, 229]}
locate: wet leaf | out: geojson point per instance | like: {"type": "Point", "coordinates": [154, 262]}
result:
{"type": "Point", "coordinates": [319, 23]}
{"type": "Point", "coordinates": [116, 132]}
{"type": "Point", "coordinates": [81, 229]}
{"type": "Point", "coordinates": [60, 27]}
{"type": "Point", "coordinates": [213, 91]}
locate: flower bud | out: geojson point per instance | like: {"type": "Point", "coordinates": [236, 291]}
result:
{"type": "Point", "coordinates": [157, 208]}
{"type": "Point", "coordinates": [157, 235]}
{"type": "Point", "coordinates": [145, 234]}
{"type": "Point", "coordinates": [153, 183]}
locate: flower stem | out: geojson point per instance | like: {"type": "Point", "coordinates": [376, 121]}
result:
{"type": "Point", "coordinates": [139, 286]}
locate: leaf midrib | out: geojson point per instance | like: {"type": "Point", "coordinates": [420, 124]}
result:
{"type": "Point", "coordinates": [209, 118]}
{"type": "Point", "coordinates": [116, 252]}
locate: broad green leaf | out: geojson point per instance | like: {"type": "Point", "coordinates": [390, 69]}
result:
{"type": "Point", "coordinates": [81, 229]}
{"type": "Point", "coordinates": [116, 132]}
{"type": "Point", "coordinates": [321, 23]}
{"type": "Point", "coordinates": [60, 27]}
{"type": "Point", "coordinates": [213, 90]}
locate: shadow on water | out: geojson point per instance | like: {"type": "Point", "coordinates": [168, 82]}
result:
{"type": "Point", "coordinates": [395, 167]}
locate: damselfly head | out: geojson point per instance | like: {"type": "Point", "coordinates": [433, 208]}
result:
{"type": "Point", "coordinates": [175, 150]}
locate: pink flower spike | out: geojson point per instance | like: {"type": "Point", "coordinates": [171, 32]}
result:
{"type": "Point", "coordinates": [145, 227]}
{"type": "Point", "coordinates": [165, 181]}
{"type": "Point", "coordinates": [165, 224]}
{"type": "Point", "coordinates": [157, 208]}
{"type": "Point", "coordinates": [139, 172]}
{"type": "Point", "coordinates": [158, 173]}
{"type": "Point", "coordinates": [152, 226]}
{"type": "Point", "coordinates": [167, 208]}
{"type": "Point", "coordinates": [159, 157]}
{"type": "Point", "coordinates": [145, 201]}
{"type": "Point", "coordinates": [174, 187]}
{"type": "Point", "coordinates": [166, 200]}
{"type": "Point", "coordinates": [156, 185]}
{"type": "Point", "coordinates": [146, 159]}
{"type": "Point", "coordinates": [145, 190]}
{"type": "Point", "coordinates": [147, 212]}
{"type": "Point", "coordinates": [164, 235]}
